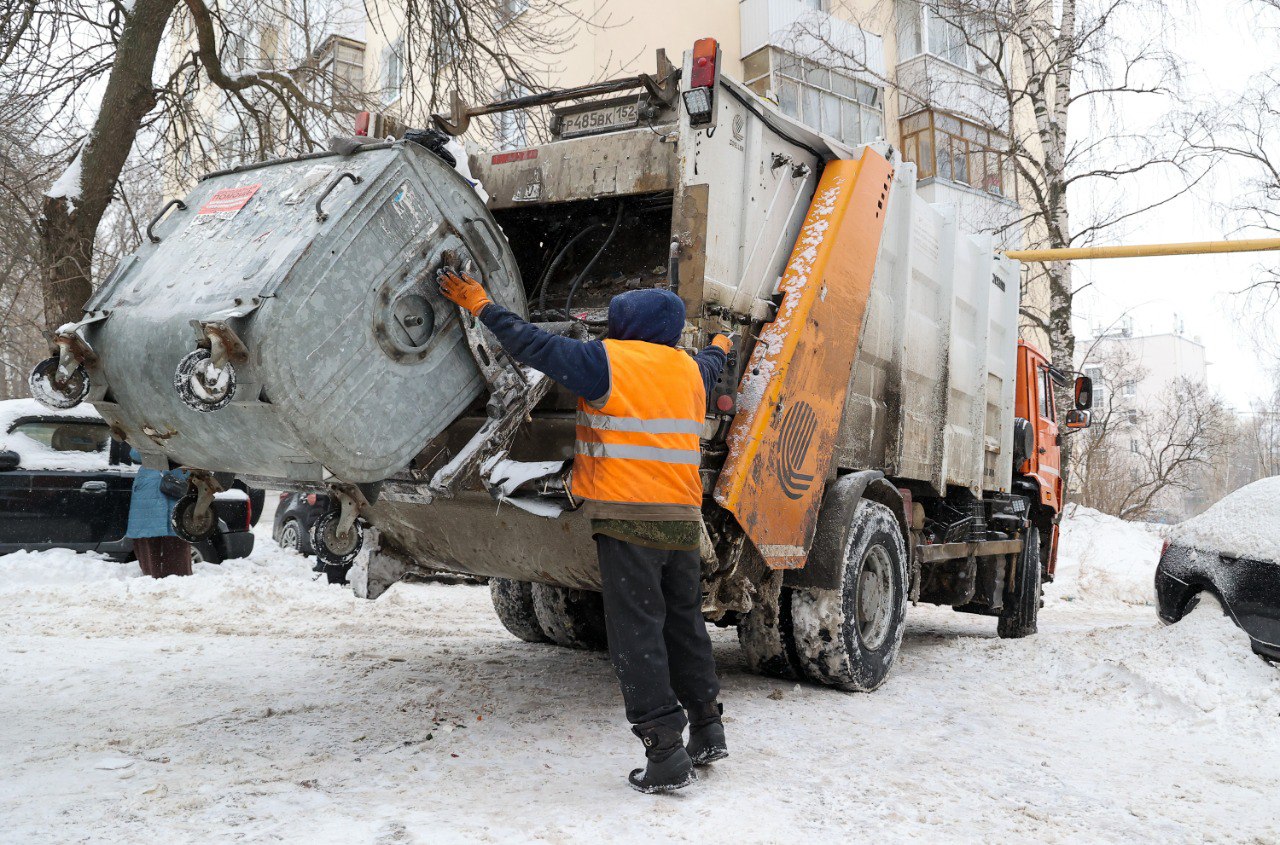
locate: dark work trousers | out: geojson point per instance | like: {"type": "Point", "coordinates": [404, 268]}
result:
{"type": "Point", "coordinates": [161, 557]}
{"type": "Point", "coordinates": [658, 639]}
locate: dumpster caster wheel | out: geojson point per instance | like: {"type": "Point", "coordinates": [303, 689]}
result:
{"type": "Point", "coordinates": [48, 391]}
{"type": "Point", "coordinates": [189, 523]}
{"type": "Point", "coordinates": [335, 549]}
{"type": "Point", "coordinates": [203, 387]}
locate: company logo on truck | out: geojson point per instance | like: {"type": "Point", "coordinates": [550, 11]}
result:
{"type": "Point", "coordinates": [798, 426]}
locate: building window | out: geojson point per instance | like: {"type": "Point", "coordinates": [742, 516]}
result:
{"type": "Point", "coordinates": [1129, 388]}
{"type": "Point", "coordinates": [392, 71]}
{"type": "Point", "coordinates": [831, 101]}
{"type": "Point", "coordinates": [1099, 386]}
{"type": "Point", "coordinates": [511, 128]}
{"type": "Point", "coordinates": [509, 10]}
{"type": "Point", "coordinates": [947, 147]}
{"type": "Point", "coordinates": [928, 27]}
{"type": "Point", "coordinates": [1133, 418]}
{"type": "Point", "coordinates": [1133, 446]}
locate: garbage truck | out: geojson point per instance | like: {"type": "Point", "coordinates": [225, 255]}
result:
{"type": "Point", "coordinates": [880, 435]}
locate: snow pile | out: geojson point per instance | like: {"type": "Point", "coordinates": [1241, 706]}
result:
{"type": "Point", "coordinates": [33, 454]}
{"type": "Point", "coordinates": [1102, 559]}
{"type": "Point", "coordinates": [1245, 523]}
{"type": "Point", "coordinates": [67, 186]}
{"type": "Point", "coordinates": [58, 567]}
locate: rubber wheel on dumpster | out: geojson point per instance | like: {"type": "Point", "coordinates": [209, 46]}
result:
{"type": "Point", "coordinates": [190, 525]}
{"type": "Point", "coordinates": [513, 602]}
{"type": "Point", "coordinates": [45, 390]}
{"type": "Point", "coordinates": [848, 637]}
{"type": "Point", "coordinates": [765, 632]}
{"type": "Point", "coordinates": [1022, 602]}
{"type": "Point", "coordinates": [200, 386]}
{"type": "Point", "coordinates": [571, 618]}
{"type": "Point", "coordinates": [333, 549]}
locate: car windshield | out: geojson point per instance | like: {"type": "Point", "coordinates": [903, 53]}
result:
{"type": "Point", "coordinates": [66, 435]}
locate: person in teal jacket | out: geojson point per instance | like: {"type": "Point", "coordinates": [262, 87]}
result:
{"type": "Point", "coordinates": [160, 551]}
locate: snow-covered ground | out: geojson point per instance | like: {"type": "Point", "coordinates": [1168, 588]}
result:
{"type": "Point", "coordinates": [253, 703]}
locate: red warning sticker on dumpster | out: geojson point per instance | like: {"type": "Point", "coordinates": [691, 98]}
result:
{"type": "Point", "coordinates": [226, 202]}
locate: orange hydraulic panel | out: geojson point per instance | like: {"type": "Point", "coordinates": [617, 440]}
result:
{"type": "Point", "coordinates": [792, 396]}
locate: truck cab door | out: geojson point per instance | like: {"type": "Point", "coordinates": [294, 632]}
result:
{"type": "Point", "coordinates": [1047, 458]}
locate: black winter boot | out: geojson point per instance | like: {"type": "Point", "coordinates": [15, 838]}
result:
{"type": "Point", "coordinates": [706, 733]}
{"type": "Point", "coordinates": [669, 767]}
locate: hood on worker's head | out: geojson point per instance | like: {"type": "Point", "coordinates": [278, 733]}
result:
{"type": "Point", "coordinates": [652, 315]}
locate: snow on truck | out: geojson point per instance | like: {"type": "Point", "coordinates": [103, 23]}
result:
{"type": "Point", "coordinates": [880, 434]}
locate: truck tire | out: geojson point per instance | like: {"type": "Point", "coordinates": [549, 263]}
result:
{"type": "Point", "coordinates": [571, 618]}
{"type": "Point", "coordinates": [513, 602]}
{"type": "Point", "coordinates": [848, 637]}
{"type": "Point", "coordinates": [1022, 602]}
{"type": "Point", "coordinates": [765, 634]}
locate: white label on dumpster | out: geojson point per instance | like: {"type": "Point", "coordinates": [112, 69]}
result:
{"type": "Point", "coordinates": [224, 204]}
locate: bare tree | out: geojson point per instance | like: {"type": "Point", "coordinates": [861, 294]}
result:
{"type": "Point", "coordinates": [106, 81]}
{"type": "Point", "coordinates": [1134, 462]}
{"type": "Point", "coordinates": [1053, 78]}
{"type": "Point", "coordinates": [23, 173]}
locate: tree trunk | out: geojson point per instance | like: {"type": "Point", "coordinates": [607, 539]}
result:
{"type": "Point", "coordinates": [67, 227]}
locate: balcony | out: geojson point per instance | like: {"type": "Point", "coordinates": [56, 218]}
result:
{"type": "Point", "coordinates": [930, 82]}
{"type": "Point", "coordinates": [798, 28]}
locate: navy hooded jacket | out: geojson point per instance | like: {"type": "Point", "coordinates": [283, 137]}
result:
{"type": "Point", "coordinates": [582, 366]}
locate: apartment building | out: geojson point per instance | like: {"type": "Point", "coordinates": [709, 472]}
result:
{"type": "Point", "coordinates": [857, 70]}
{"type": "Point", "coordinates": [1134, 377]}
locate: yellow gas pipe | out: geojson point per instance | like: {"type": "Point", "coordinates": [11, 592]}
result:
{"type": "Point", "coordinates": [1143, 250]}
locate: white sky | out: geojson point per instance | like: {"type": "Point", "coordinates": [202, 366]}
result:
{"type": "Point", "coordinates": [1223, 44]}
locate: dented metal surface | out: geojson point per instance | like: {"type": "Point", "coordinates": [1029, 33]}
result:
{"type": "Point", "coordinates": [347, 359]}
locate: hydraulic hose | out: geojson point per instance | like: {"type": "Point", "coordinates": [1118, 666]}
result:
{"type": "Point", "coordinates": [573, 289]}
{"type": "Point", "coordinates": [545, 281]}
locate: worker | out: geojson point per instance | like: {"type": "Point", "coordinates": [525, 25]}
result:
{"type": "Point", "coordinates": [641, 407]}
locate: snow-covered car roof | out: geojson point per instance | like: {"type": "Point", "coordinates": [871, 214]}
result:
{"type": "Point", "coordinates": [33, 454]}
{"type": "Point", "coordinates": [1245, 523]}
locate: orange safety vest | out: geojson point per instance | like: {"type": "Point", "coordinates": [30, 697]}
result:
{"type": "Point", "coordinates": [641, 446]}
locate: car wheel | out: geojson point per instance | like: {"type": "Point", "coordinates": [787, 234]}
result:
{"type": "Point", "coordinates": [293, 537]}
{"type": "Point", "coordinates": [205, 553]}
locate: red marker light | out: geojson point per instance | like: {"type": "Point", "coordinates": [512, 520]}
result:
{"type": "Point", "coordinates": [724, 403]}
{"type": "Point", "coordinates": [705, 53]}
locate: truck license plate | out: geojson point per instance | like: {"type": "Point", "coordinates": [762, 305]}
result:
{"type": "Point", "coordinates": [620, 116]}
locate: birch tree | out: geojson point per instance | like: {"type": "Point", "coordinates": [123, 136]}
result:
{"type": "Point", "coordinates": [1054, 78]}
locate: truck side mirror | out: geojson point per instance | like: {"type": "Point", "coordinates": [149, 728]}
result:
{"type": "Point", "coordinates": [9, 460]}
{"type": "Point", "coordinates": [1077, 419]}
{"type": "Point", "coordinates": [1084, 393]}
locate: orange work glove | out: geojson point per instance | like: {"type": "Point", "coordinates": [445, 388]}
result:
{"type": "Point", "coordinates": [461, 289]}
{"type": "Point", "coordinates": [722, 343]}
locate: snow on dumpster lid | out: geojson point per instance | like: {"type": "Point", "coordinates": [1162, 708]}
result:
{"type": "Point", "coordinates": [1245, 523]}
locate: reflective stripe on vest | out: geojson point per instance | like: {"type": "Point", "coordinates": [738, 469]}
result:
{"type": "Point", "coordinates": [642, 446]}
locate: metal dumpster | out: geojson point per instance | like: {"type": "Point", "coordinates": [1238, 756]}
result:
{"type": "Point", "coordinates": [311, 281]}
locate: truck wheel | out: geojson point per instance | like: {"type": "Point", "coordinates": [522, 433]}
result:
{"type": "Point", "coordinates": [848, 637]}
{"type": "Point", "coordinates": [1022, 602]}
{"type": "Point", "coordinates": [765, 634]}
{"type": "Point", "coordinates": [571, 618]}
{"type": "Point", "coordinates": [513, 602]}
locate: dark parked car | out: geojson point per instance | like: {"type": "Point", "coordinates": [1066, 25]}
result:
{"type": "Point", "coordinates": [65, 483]}
{"type": "Point", "coordinates": [296, 515]}
{"type": "Point", "coordinates": [1233, 551]}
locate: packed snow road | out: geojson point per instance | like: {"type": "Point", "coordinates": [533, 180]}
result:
{"type": "Point", "coordinates": [253, 703]}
